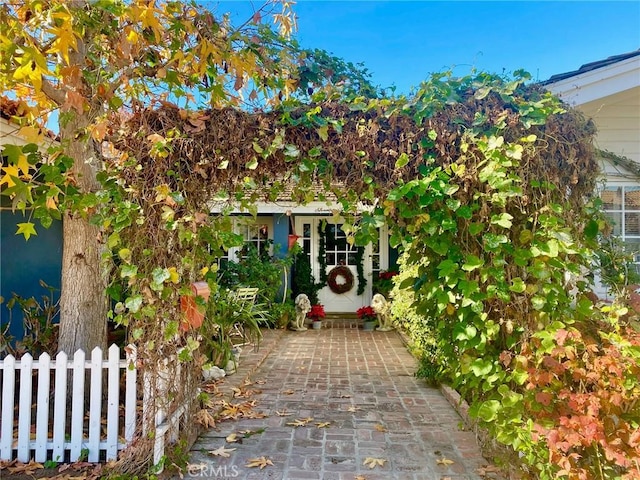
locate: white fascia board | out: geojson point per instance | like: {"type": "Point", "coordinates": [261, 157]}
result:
{"type": "Point", "coordinates": [312, 208]}
{"type": "Point", "coordinates": [599, 83]}
{"type": "Point", "coordinates": [9, 135]}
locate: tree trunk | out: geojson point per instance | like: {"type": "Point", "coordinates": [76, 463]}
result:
{"type": "Point", "coordinates": [83, 301]}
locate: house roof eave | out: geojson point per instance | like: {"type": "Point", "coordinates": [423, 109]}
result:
{"type": "Point", "coordinates": [597, 80]}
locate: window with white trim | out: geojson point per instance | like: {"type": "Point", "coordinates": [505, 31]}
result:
{"type": "Point", "coordinates": [621, 205]}
{"type": "Point", "coordinates": [258, 233]}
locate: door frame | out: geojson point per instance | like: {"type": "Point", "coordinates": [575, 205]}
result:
{"type": "Point", "coordinates": [352, 302]}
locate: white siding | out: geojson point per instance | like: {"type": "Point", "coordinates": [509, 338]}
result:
{"type": "Point", "coordinates": [617, 118]}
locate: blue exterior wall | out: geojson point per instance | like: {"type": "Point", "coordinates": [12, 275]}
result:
{"type": "Point", "coordinates": [280, 234]}
{"type": "Point", "coordinates": [24, 263]}
{"type": "Point", "coordinates": [280, 245]}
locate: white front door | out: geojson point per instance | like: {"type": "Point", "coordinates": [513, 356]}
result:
{"type": "Point", "coordinates": [337, 252]}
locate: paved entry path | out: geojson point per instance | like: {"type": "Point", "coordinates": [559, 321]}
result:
{"type": "Point", "coordinates": [360, 391]}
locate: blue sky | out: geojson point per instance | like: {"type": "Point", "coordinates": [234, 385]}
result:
{"type": "Point", "coordinates": [402, 42]}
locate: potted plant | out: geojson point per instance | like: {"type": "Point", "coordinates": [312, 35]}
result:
{"type": "Point", "coordinates": [316, 314]}
{"type": "Point", "coordinates": [368, 316]}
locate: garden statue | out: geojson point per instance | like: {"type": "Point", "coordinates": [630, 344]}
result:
{"type": "Point", "coordinates": [303, 306]}
{"type": "Point", "coordinates": [381, 307]}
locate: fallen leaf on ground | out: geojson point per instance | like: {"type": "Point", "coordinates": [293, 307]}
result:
{"type": "Point", "coordinates": [353, 408]}
{"type": "Point", "coordinates": [283, 413]}
{"type": "Point", "coordinates": [232, 411]}
{"type": "Point", "coordinates": [249, 433]}
{"type": "Point", "coordinates": [381, 428]}
{"type": "Point", "coordinates": [27, 468]}
{"type": "Point", "coordinates": [233, 438]}
{"type": "Point", "coordinates": [260, 382]}
{"type": "Point", "coordinates": [222, 452]}
{"type": "Point", "coordinates": [359, 477]}
{"type": "Point", "coordinates": [288, 392]}
{"type": "Point", "coordinates": [444, 461]}
{"type": "Point", "coordinates": [204, 418]}
{"type": "Point", "coordinates": [373, 462]}
{"type": "Point", "coordinates": [236, 391]}
{"type": "Point", "coordinates": [298, 423]}
{"type": "Point", "coordinates": [323, 424]}
{"type": "Point", "coordinates": [345, 396]}
{"type": "Point", "coordinates": [260, 462]}
{"type": "Point", "coordinates": [308, 419]}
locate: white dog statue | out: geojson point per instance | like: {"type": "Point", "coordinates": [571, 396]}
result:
{"type": "Point", "coordinates": [381, 307]}
{"type": "Point", "coordinates": [303, 306]}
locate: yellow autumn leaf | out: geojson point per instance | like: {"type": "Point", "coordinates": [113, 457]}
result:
{"type": "Point", "coordinates": [51, 203]}
{"type": "Point", "coordinates": [373, 462]}
{"type": "Point", "coordinates": [222, 452]}
{"type": "Point", "coordinates": [99, 130]}
{"type": "Point", "coordinates": [32, 67]}
{"type": "Point", "coordinates": [23, 164]}
{"type": "Point", "coordinates": [27, 229]}
{"type": "Point", "coordinates": [162, 192]}
{"type": "Point", "coordinates": [174, 276]}
{"type": "Point", "coordinates": [10, 171]}
{"type": "Point", "coordinates": [65, 37]}
{"type": "Point", "coordinates": [260, 462]}
{"type": "Point", "coordinates": [30, 134]}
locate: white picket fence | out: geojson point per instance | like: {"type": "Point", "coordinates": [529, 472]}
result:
{"type": "Point", "coordinates": [43, 434]}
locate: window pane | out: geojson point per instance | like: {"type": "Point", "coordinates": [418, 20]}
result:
{"type": "Point", "coordinates": [331, 259]}
{"type": "Point", "coordinates": [612, 198]}
{"type": "Point", "coordinates": [352, 259]}
{"type": "Point", "coordinates": [632, 198]}
{"type": "Point", "coordinates": [375, 260]}
{"type": "Point", "coordinates": [306, 230]}
{"type": "Point", "coordinates": [342, 258]}
{"type": "Point", "coordinates": [632, 224]}
{"type": "Point", "coordinates": [633, 246]}
{"type": "Point", "coordinates": [615, 219]}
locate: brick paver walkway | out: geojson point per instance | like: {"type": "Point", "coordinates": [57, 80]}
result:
{"type": "Point", "coordinates": [362, 384]}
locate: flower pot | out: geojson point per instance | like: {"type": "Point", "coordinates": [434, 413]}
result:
{"type": "Point", "coordinates": [317, 325]}
{"type": "Point", "coordinates": [369, 325]}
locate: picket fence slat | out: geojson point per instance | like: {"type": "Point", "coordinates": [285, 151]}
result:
{"type": "Point", "coordinates": [60, 407]}
{"type": "Point", "coordinates": [113, 402]}
{"type": "Point", "coordinates": [63, 432]}
{"type": "Point", "coordinates": [42, 419]}
{"type": "Point", "coordinates": [130, 400]}
{"type": "Point", "coordinates": [8, 391]}
{"type": "Point", "coordinates": [24, 412]}
{"type": "Point", "coordinates": [77, 405]}
{"type": "Point", "coordinates": [95, 405]}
